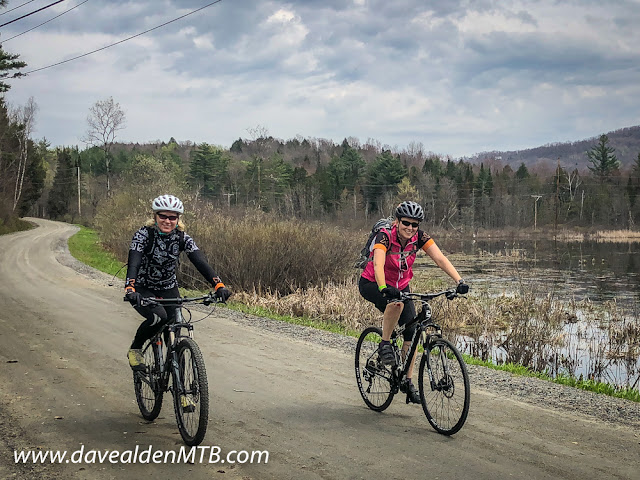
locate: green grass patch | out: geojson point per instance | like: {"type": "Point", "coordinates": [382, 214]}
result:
{"type": "Point", "coordinates": [589, 385]}
{"type": "Point", "coordinates": [86, 247]}
{"type": "Point", "coordinates": [305, 321]}
{"type": "Point", "coordinates": [14, 225]}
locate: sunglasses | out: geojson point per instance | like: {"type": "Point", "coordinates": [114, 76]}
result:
{"type": "Point", "coordinates": [162, 216]}
{"type": "Point", "coordinates": [410, 224]}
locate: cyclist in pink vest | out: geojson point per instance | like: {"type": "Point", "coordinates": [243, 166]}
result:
{"type": "Point", "coordinates": [390, 272]}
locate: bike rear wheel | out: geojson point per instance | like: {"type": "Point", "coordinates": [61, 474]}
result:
{"type": "Point", "coordinates": [193, 418]}
{"type": "Point", "coordinates": [374, 378]}
{"type": "Point", "coordinates": [444, 387]}
{"type": "Point", "coordinates": [147, 384]}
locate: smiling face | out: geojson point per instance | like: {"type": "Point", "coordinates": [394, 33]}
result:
{"type": "Point", "coordinates": [407, 228]}
{"type": "Point", "coordinates": [166, 221]}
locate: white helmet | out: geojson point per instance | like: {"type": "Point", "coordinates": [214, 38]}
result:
{"type": "Point", "coordinates": [167, 203]}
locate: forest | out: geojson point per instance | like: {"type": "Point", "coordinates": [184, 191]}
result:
{"type": "Point", "coordinates": [310, 178]}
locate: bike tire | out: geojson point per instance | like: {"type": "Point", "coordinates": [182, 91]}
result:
{"type": "Point", "coordinates": [374, 379]}
{"type": "Point", "coordinates": [147, 384]}
{"type": "Point", "coordinates": [445, 402]}
{"type": "Point", "coordinates": [191, 424]}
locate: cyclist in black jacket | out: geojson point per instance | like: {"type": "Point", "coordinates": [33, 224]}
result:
{"type": "Point", "coordinates": [153, 260]}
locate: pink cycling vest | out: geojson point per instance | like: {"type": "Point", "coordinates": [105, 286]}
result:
{"type": "Point", "coordinates": [397, 268]}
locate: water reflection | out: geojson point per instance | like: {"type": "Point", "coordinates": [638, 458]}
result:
{"type": "Point", "coordinates": [600, 343]}
{"type": "Point", "coordinates": [594, 270]}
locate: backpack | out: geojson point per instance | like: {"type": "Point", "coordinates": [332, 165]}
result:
{"type": "Point", "coordinates": [365, 253]}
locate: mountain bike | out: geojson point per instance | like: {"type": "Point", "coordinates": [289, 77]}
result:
{"type": "Point", "coordinates": [443, 381]}
{"type": "Point", "coordinates": [174, 363]}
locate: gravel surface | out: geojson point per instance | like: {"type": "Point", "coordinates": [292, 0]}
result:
{"type": "Point", "coordinates": [530, 390]}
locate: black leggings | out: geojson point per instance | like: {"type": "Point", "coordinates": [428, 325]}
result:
{"type": "Point", "coordinates": [155, 317]}
{"type": "Point", "coordinates": [369, 290]}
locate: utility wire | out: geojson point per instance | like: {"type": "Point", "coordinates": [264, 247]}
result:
{"type": "Point", "coordinates": [119, 42]}
{"type": "Point", "coordinates": [28, 14]}
{"type": "Point", "coordinates": [66, 11]}
{"type": "Point", "coordinates": [15, 8]}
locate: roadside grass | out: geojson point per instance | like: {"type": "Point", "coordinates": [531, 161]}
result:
{"type": "Point", "coordinates": [589, 385]}
{"type": "Point", "coordinates": [304, 321]}
{"type": "Point", "coordinates": [86, 247]}
{"type": "Point", "coordinates": [14, 225]}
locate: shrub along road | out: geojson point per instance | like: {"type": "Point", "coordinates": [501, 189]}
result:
{"type": "Point", "coordinates": [66, 383]}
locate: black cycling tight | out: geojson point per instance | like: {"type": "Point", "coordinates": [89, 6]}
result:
{"type": "Point", "coordinates": [155, 317]}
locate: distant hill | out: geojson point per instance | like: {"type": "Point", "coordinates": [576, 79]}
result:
{"type": "Point", "coordinates": [626, 142]}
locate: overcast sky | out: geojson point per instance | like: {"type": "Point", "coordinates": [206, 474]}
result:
{"type": "Point", "coordinates": [460, 77]}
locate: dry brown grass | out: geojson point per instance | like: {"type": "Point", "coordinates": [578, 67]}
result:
{"type": "Point", "coordinates": [330, 302]}
{"type": "Point", "coordinates": [253, 250]}
{"type": "Point", "coordinates": [250, 250]}
{"type": "Point", "coordinates": [616, 236]}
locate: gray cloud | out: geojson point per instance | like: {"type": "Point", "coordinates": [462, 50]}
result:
{"type": "Point", "coordinates": [459, 76]}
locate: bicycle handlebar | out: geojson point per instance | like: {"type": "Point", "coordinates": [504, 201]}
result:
{"type": "Point", "coordinates": [450, 294]}
{"type": "Point", "coordinates": [207, 299]}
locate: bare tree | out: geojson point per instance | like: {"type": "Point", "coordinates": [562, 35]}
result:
{"type": "Point", "coordinates": [24, 117]}
{"type": "Point", "coordinates": [105, 118]}
{"type": "Point", "coordinates": [573, 182]}
{"type": "Point", "coordinates": [257, 132]}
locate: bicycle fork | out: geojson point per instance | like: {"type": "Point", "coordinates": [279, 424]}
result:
{"type": "Point", "coordinates": [178, 386]}
{"type": "Point", "coordinates": [444, 383]}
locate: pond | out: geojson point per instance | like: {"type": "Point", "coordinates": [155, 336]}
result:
{"type": "Point", "coordinates": [581, 270]}
{"type": "Point", "coordinates": [592, 346]}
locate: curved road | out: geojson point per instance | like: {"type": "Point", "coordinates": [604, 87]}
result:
{"type": "Point", "coordinates": [65, 383]}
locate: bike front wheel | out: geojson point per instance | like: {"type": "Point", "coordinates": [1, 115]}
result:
{"type": "Point", "coordinates": [191, 403]}
{"type": "Point", "coordinates": [444, 387]}
{"type": "Point", "coordinates": [147, 384]}
{"type": "Point", "coordinates": [374, 379]}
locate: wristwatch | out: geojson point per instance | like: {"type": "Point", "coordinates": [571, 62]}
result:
{"type": "Point", "coordinates": [461, 281]}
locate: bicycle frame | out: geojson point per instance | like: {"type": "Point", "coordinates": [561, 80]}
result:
{"type": "Point", "coordinates": [170, 334]}
{"type": "Point", "coordinates": [423, 322]}
{"type": "Point", "coordinates": [168, 360]}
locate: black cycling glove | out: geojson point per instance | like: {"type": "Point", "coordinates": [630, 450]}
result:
{"type": "Point", "coordinates": [222, 293]}
{"type": "Point", "coordinates": [133, 297]}
{"type": "Point", "coordinates": [462, 288]}
{"type": "Point", "coordinates": [391, 292]}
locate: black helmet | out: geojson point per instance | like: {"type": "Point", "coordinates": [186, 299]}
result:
{"type": "Point", "coordinates": [410, 210]}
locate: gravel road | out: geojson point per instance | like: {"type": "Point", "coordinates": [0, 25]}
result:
{"type": "Point", "coordinates": [288, 389]}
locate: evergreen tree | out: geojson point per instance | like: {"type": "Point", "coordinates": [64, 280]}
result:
{"type": "Point", "coordinates": [35, 175]}
{"type": "Point", "coordinates": [484, 182]}
{"type": "Point", "coordinates": [465, 187]}
{"type": "Point", "coordinates": [633, 184]}
{"type": "Point", "coordinates": [342, 173]}
{"type": "Point", "coordinates": [603, 160]}
{"type": "Point", "coordinates": [208, 170]}
{"type": "Point", "coordinates": [236, 147]}
{"type": "Point", "coordinates": [433, 166]}
{"type": "Point", "coordinates": [64, 186]}
{"type": "Point", "coordinates": [522, 173]}
{"type": "Point", "coordinates": [278, 178]}
{"type": "Point", "coordinates": [451, 170]}
{"type": "Point", "coordinates": [383, 176]}
{"type": "Point", "coordinates": [9, 154]}
{"type": "Point", "coordinates": [8, 63]}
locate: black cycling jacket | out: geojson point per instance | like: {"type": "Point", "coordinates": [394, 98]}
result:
{"type": "Point", "coordinates": [156, 269]}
